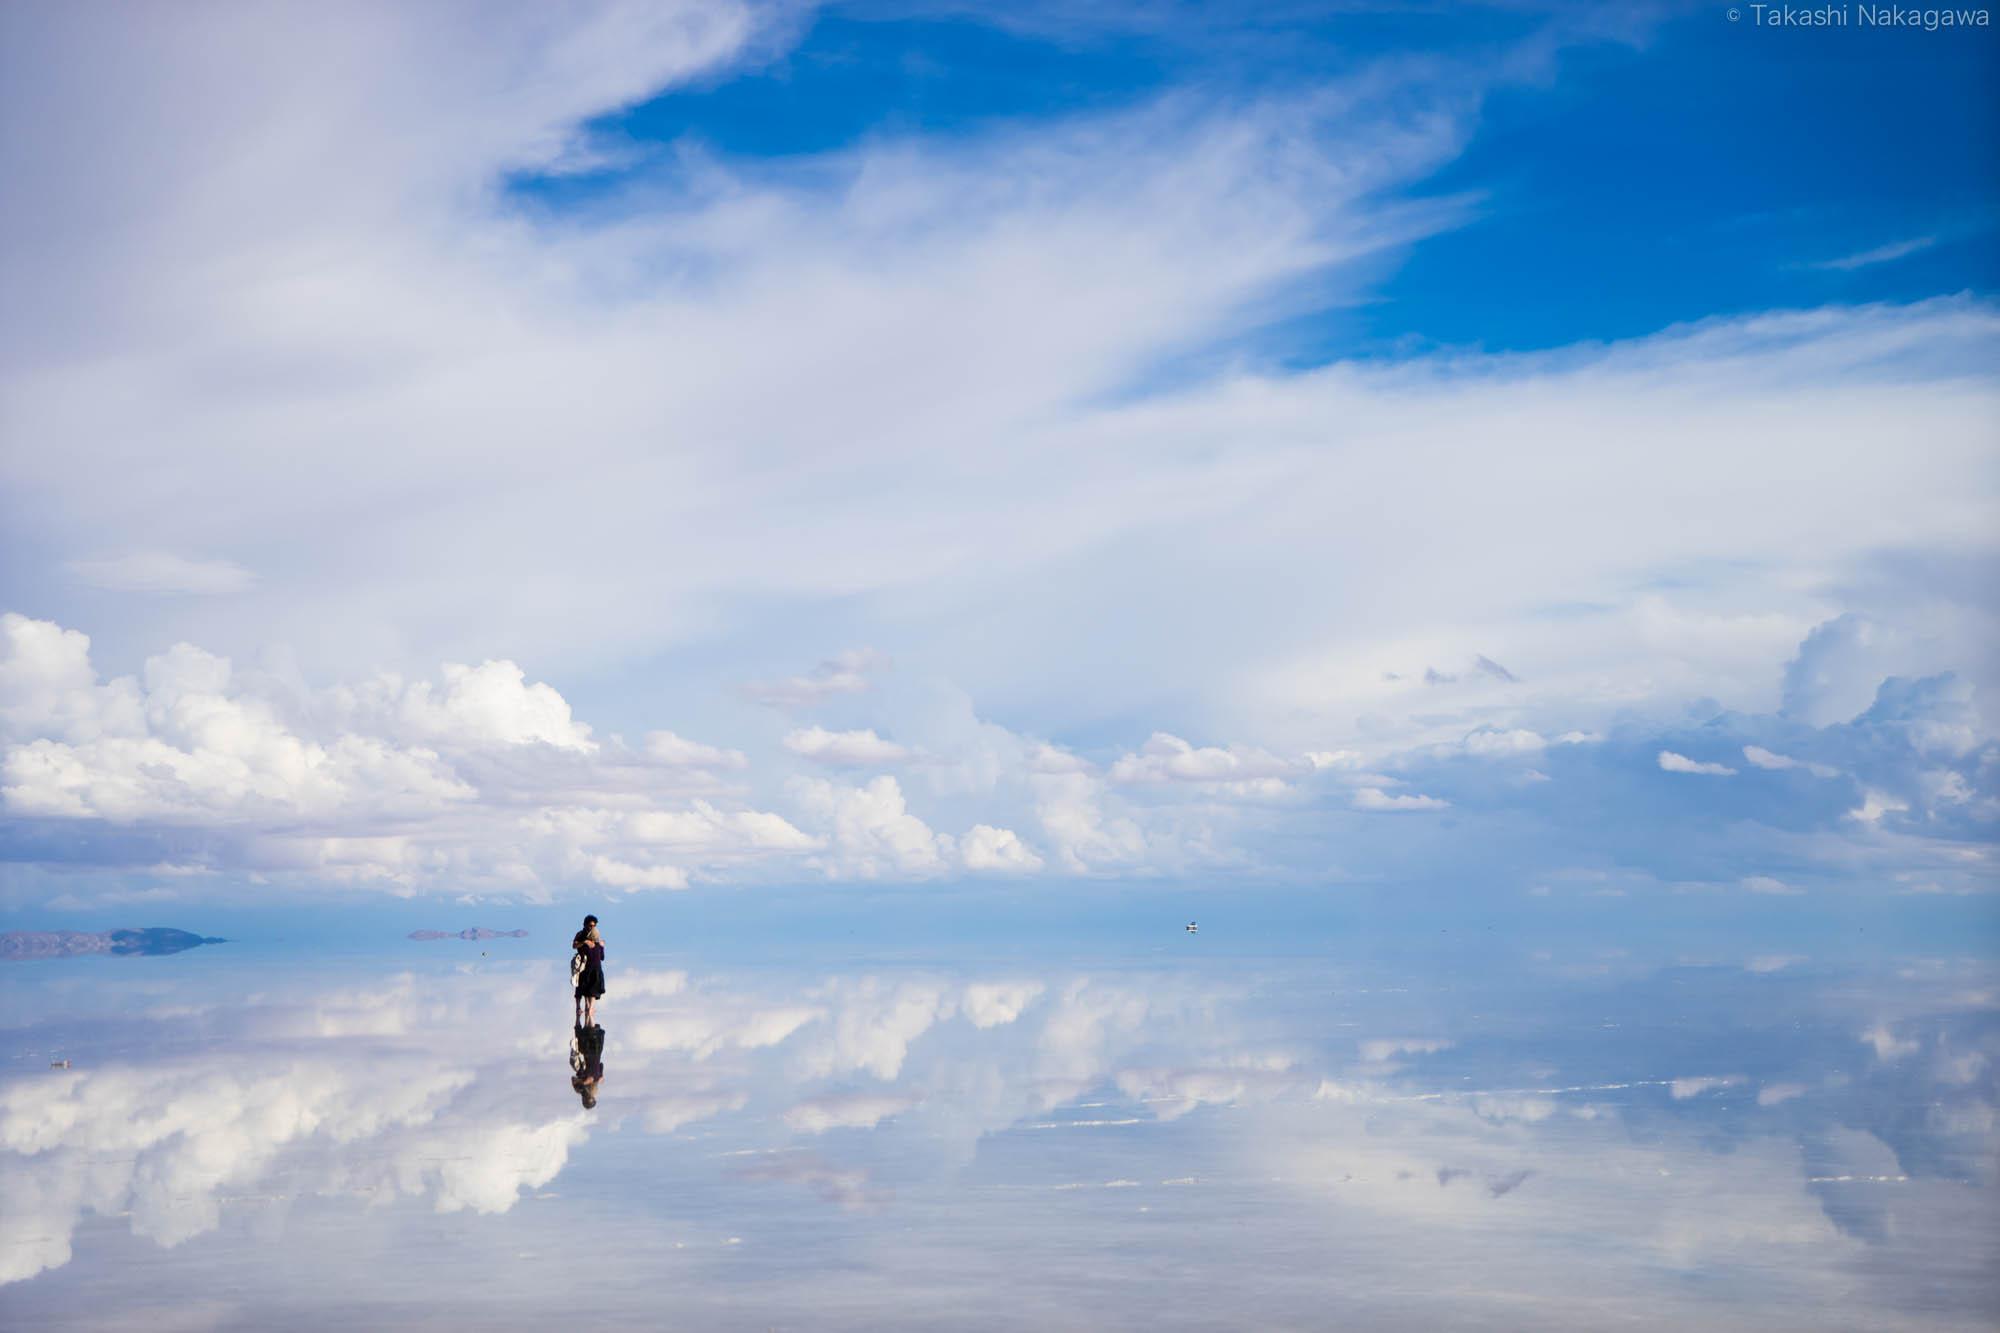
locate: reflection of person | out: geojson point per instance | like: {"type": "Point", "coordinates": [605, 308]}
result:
{"type": "Point", "coordinates": [586, 1063]}
{"type": "Point", "coordinates": [589, 946]}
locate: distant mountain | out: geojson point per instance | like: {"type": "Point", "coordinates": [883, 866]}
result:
{"type": "Point", "coordinates": [19, 945]}
{"type": "Point", "coordinates": [476, 933]}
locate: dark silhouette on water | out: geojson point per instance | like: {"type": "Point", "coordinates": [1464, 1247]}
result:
{"type": "Point", "coordinates": [149, 942]}
{"type": "Point", "coordinates": [586, 1062]}
{"type": "Point", "coordinates": [586, 971]}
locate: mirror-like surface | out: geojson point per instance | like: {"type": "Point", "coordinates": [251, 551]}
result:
{"type": "Point", "coordinates": [1190, 1142]}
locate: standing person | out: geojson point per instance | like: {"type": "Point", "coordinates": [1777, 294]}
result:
{"type": "Point", "coordinates": [589, 945]}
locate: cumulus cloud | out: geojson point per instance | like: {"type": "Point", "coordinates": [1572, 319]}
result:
{"type": "Point", "coordinates": [1875, 805]}
{"type": "Point", "coordinates": [456, 331]}
{"type": "Point", "coordinates": [871, 832]}
{"type": "Point", "coordinates": [162, 1143]}
{"type": "Point", "coordinates": [1887, 1045]}
{"type": "Point", "coordinates": [985, 847]}
{"type": "Point", "coordinates": [1374, 798]}
{"type": "Point", "coordinates": [1167, 758]}
{"type": "Point", "coordinates": [679, 752]}
{"type": "Point", "coordinates": [491, 703]}
{"type": "Point", "coordinates": [844, 749]}
{"type": "Point", "coordinates": [616, 874]}
{"type": "Point", "coordinates": [396, 783]}
{"type": "Point", "coordinates": [998, 1003]}
{"type": "Point", "coordinates": [1070, 806]}
{"type": "Point", "coordinates": [847, 673]}
{"type": "Point", "coordinates": [1680, 763]}
{"type": "Point", "coordinates": [873, 1024]}
{"type": "Point", "coordinates": [1769, 884]}
{"type": "Point", "coordinates": [185, 745]}
{"type": "Point", "coordinates": [1173, 1092]}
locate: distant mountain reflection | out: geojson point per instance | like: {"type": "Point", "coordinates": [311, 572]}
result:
{"type": "Point", "coordinates": [153, 940]}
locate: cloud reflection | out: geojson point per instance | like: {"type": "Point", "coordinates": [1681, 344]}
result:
{"type": "Point", "coordinates": [1399, 1125]}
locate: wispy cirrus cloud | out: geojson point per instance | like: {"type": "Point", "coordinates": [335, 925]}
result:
{"type": "Point", "coordinates": [1881, 254]}
{"type": "Point", "coordinates": [163, 572]}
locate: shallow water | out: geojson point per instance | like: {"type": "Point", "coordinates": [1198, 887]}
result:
{"type": "Point", "coordinates": [1178, 1139]}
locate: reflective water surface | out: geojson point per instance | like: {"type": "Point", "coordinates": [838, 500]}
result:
{"type": "Point", "coordinates": [409, 1140]}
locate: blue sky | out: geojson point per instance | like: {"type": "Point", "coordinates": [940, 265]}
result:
{"type": "Point", "coordinates": [1541, 453]}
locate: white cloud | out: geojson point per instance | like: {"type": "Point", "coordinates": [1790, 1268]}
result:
{"type": "Point", "coordinates": [987, 848]}
{"type": "Point", "coordinates": [1047, 758]}
{"type": "Point", "coordinates": [453, 335]}
{"type": "Point", "coordinates": [48, 687]}
{"type": "Point", "coordinates": [619, 875]}
{"type": "Point", "coordinates": [845, 749]}
{"type": "Point", "coordinates": [666, 1114]}
{"type": "Point", "coordinates": [188, 746]}
{"type": "Point", "coordinates": [817, 1115]}
{"type": "Point", "coordinates": [1772, 962]}
{"type": "Point", "coordinates": [1759, 757]}
{"type": "Point", "coordinates": [1881, 254]}
{"type": "Point", "coordinates": [163, 1144]}
{"type": "Point", "coordinates": [704, 827]}
{"type": "Point", "coordinates": [1085, 837]}
{"type": "Point", "coordinates": [848, 673]}
{"type": "Point", "coordinates": [1526, 1110]}
{"type": "Point", "coordinates": [1380, 1049]}
{"type": "Point", "coordinates": [871, 830]}
{"type": "Point", "coordinates": [1680, 763]}
{"type": "Point", "coordinates": [1684, 1088]}
{"type": "Point", "coordinates": [1888, 1046]}
{"type": "Point", "coordinates": [680, 752]}
{"type": "Point", "coordinates": [162, 571]}
{"type": "Point", "coordinates": [998, 1003]}
{"type": "Point", "coordinates": [702, 1031]}
{"type": "Point", "coordinates": [1374, 798]}
{"type": "Point", "coordinates": [491, 703]}
{"type": "Point", "coordinates": [1777, 1094]}
{"type": "Point", "coordinates": [637, 983]}
{"type": "Point", "coordinates": [387, 783]}
{"type": "Point", "coordinates": [1492, 742]}
{"type": "Point", "coordinates": [1167, 758]}
{"type": "Point", "coordinates": [873, 1024]}
{"type": "Point", "coordinates": [1769, 885]}
{"type": "Point", "coordinates": [1875, 804]}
